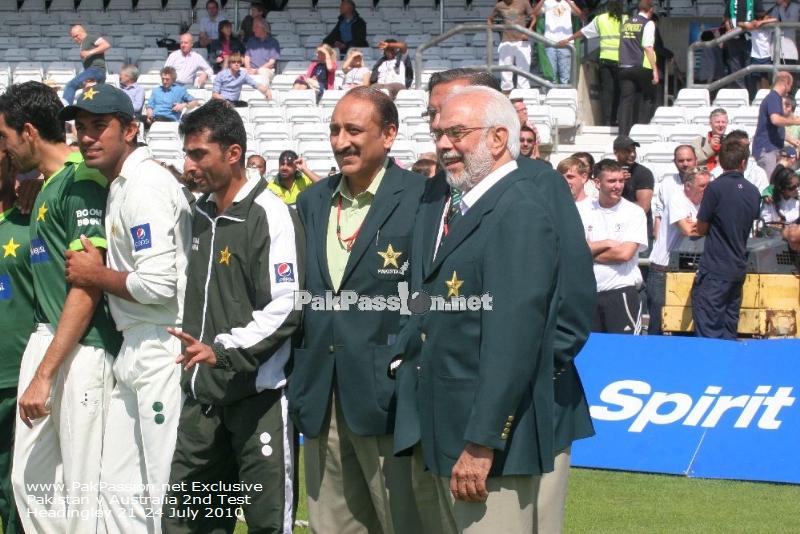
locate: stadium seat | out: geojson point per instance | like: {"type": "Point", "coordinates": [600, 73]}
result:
{"type": "Point", "coordinates": [149, 81]}
{"type": "Point", "coordinates": [300, 98]}
{"type": "Point", "coordinates": [411, 98]}
{"type": "Point", "coordinates": [684, 133]}
{"type": "Point", "coordinates": [7, 43]}
{"type": "Point", "coordinates": [331, 97]}
{"type": "Point", "coordinates": [61, 71]}
{"type": "Point", "coordinates": [744, 115]}
{"type": "Point", "coordinates": [732, 98]}
{"type": "Point", "coordinates": [531, 97]}
{"type": "Point", "coordinates": [16, 19]}
{"type": "Point", "coordinates": [37, 6]}
{"type": "Point", "coordinates": [166, 148]}
{"type": "Point", "coordinates": [760, 96]}
{"type": "Point", "coordinates": [315, 149]}
{"type": "Point", "coordinates": [564, 107]}
{"type": "Point", "coordinates": [163, 130]}
{"type": "Point", "coordinates": [310, 132]}
{"type": "Point", "coordinates": [699, 115]}
{"type": "Point", "coordinates": [282, 82]}
{"type": "Point", "coordinates": [47, 55]}
{"type": "Point", "coordinates": [404, 150]}
{"type": "Point", "coordinates": [663, 152]}
{"type": "Point", "coordinates": [295, 68]}
{"type": "Point", "coordinates": [322, 166]}
{"type": "Point", "coordinates": [692, 98]}
{"type": "Point", "coordinates": [540, 116]}
{"type": "Point", "coordinates": [647, 133]}
{"type": "Point", "coordinates": [669, 116]}
{"type": "Point", "coordinates": [261, 115]}
{"type": "Point", "coordinates": [302, 115]}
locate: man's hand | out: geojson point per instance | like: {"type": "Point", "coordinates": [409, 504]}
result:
{"type": "Point", "coordinates": [716, 142]}
{"type": "Point", "coordinates": [85, 53]}
{"type": "Point", "coordinates": [26, 194]}
{"type": "Point", "coordinates": [301, 164]}
{"type": "Point", "coordinates": [177, 106]}
{"type": "Point", "coordinates": [468, 482]}
{"type": "Point", "coordinates": [655, 76]}
{"type": "Point", "coordinates": [195, 353]}
{"type": "Point", "coordinates": [82, 264]}
{"type": "Point", "coordinates": [340, 45]}
{"type": "Point", "coordinates": [791, 234]}
{"type": "Point", "coordinates": [32, 402]}
{"type": "Point", "coordinates": [562, 43]}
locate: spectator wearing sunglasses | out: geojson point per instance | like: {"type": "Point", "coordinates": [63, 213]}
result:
{"type": "Point", "coordinates": [293, 177]}
{"type": "Point", "coordinates": [228, 83]}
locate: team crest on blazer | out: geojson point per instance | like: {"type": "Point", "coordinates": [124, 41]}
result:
{"type": "Point", "coordinates": [453, 285]}
{"type": "Point", "coordinates": [390, 258]}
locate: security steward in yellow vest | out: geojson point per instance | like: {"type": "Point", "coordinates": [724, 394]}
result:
{"type": "Point", "coordinates": [607, 27]}
{"type": "Point", "coordinates": [638, 77]}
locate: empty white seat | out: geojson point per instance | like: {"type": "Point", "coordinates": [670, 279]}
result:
{"type": "Point", "coordinates": [745, 115]}
{"type": "Point", "coordinates": [47, 55]}
{"type": "Point", "coordinates": [693, 98]}
{"type": "Point", "coordinates": [564, 107]}
{"type": "Point", "coordinates": [166, 148]}
{"type": "Point", "coordinates": [540, 116]}
{"type": "Point", "coordinates": [295, 68]}
{"type": "Point", "coordinates": [28, 71]}
{"type": "Point", "coordinates": [300, 98]}
{"type": "Point", "coordinates": [315, 149]}
{"type": "Point", "coordinates": [411, 98]}
{"type": "Point", "coordinates": [149, 81]}
{"type": "Point", "coordinates": [531, 97]}
{"type": "Point", "coordinates": [291, 53]}
{"type": "Point", "coordinates": [699, 115]}
{"type": "Point", "coordinates": [404, 150]}
{"type": "Point", "coordinates": [669, 115]}
{"type": "Point", "coordinates": [310, 131]}
{"type": "Point", "coordinates": [16, 55]}
{"type": "Point", "coordinates": [331, 97]}
{"type": "Point", "coordinates": [732, 98]}
{"type": "Point", "coordinates": [646, 133]}
{"type": "Point", "coordinates": [260, 115]}
{"type": "Point", "coordinates": [685, 133]}
{"type": "Point", "coordinates": [163, 130]}
{"type": "Point", "coordinates": [303, 114]}
{"type": "Point", "coordinates": [663, 152]}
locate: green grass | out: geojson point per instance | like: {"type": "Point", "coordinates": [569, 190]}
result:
{"type": "Point", "coordinates": [613, 502]}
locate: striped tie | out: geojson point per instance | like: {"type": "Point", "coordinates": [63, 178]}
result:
{"type": "Point", "coordinates": [454, 212]}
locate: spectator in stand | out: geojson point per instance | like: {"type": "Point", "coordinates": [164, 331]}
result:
{"type": "Point", "coordinates": [784, 207]}
{"type": "Point", "coordinates": [263, 51]}
{"type": "Point", "coordinates": [209, 24]}
{"type": "Point", "coordinates": [522, 114]}
{"type": "Point", "coordinates": [787, 11]}
{"type": "Point", "coordinates": [557, 27]}
{"type": "Point", "coordinates": [224, 46]}
{"type": "Point", "coordinates": [639, 181]}
{"type": "Point", "coordinates": [589, 187]}
{"type": "Point", "coordinates": [393, 71]}
{"type": "Point", "coordinates": [792, 133]}
{"type": "Point", "coordinates": [607, 27]}
{"type": "Point", "coordinates": [228, 83]}
{"type": "Point", "coordinates": [527, 142]}
{"type": "Point", "coordinates": [729, 207]}
{"type": "Point", "coordinates": [707, 148]}
{"type": "Point", "coordinates": [168, 100]}
{"type": "Point", "coordinates": [321, 73]}
{"type": "Point", "coordinates": [740, 14]}
{"type": "Point", "coordinates": [128, 75]}
{"type": "Point", "coordinates": [577, 174]}
{"type": "Point", "coordinates": [93, 48]}
{"type": "Point", "coordinates": [712, 66]}
{"type": "Point", "coordinates": [355, 73]}
{"type": "Point", "coordinates": [752, 172]}
{"type": "Point", "coordinates": [350, 29]}
{"type": "Point", "coordinates": [187, 63]}
{"type": "Point", "coordinates": [290, 180]}
{"type": "Point", "coordinates": [770, 134]}
{"type": "Point", "coordinates": [514, 47]}
{"type": "Point", "coordinates": [760, 54]}
{"type": "Point", "coordinates": [258, 163]}
{"type": "Point", "coordinates": [257, 11]}
{"type": "Point", "coordinates": [425, 167]}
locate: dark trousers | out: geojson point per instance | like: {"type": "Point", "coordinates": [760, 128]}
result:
{"type": "Point", "coordinates": [618, 311]}
{"type": "Point", "coordinates": [248, 441]}
{"type": "Point", "coordinates": [656, 296]}
{"type": "Point", "coordinates": [11, 523]}
{"type": "Point", "coordinates": [609, 90]}
{"type": "Point", "coordinates": [715, 306]}
{"type": "Point", "coordinates": [637, 96]}
{"type": "Point", "coordinates": [738, 58]}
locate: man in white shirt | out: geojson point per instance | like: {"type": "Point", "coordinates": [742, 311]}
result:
{"type": "Point", "coordinates": [753, 173]}
{"type": "Point", "coordinates": [191, 68]}
{"type": "Point", "coordinates": [678, 220]}
{"type": "Point", "coordinates": [209, 24]}
{"type": "Point", "coordinates": [616, 231]}
{"type": "Point", "coordinates": [685, 159]}
{"type": "Point", "coordinates": [557, 27]}
{"type": "Point", "coordinates": [577, 174]}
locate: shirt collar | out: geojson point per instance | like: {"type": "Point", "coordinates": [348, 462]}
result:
{"type": "Point", "coordinates": [344, 190]}
{"type": "Point", "coordinates": [130, 167]}
{"type": "Point", "coordinates": [248, 186]}
{"type": "Point", "coordinates": [473, 195]}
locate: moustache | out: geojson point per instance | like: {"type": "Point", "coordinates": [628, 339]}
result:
{"type": "Point", "coordinates": [346, 152]}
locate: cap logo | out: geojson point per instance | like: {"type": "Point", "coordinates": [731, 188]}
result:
{"type": "Point", "coordinates": [89, 95]}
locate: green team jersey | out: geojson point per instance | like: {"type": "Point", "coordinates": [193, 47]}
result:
{"type": "Point", "coordinates": [16, 293]}
{"type": "Point", "coordinates": [72, 202]}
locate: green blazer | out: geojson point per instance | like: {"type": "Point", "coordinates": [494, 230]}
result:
{"type": "Point", "coordinates": [352, 348]}
{"type": "Point", "coordinates": [575, 303]}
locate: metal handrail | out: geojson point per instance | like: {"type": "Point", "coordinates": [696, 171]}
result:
{"type": "Point", "coordinates": [722, 82]}
{"type": "Point", "coordinates": [490, 29]}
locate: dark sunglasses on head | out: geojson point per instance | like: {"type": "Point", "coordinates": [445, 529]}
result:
{"type": "Point", "coordinates": [286, 161]}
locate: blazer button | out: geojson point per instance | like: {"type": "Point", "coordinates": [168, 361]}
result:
{"type": "Point", "coordinates": [330, 349]}
{"type": "Point", "coordinates": [423, 337]}
{"type": "Point", "coordinates": [504, 437]}
{"type": "Point", "coordinates": [508, 425]}
{"type": "Point", "coordinates": [510, 418]}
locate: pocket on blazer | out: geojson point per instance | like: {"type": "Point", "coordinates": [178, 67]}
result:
{"type": "Point", "coordinates": [388, 257]}
{"type": "Point", "coordinates": [454, 402]}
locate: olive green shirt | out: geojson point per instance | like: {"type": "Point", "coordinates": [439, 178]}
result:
{"type": "Point", "coordinates": [354, 211]}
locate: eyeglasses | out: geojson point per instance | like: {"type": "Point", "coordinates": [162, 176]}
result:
{"type": "Point", "coordinates": [234, 62]}
{"type": "Point", "coordinates": [526, 140]}
{"type": "Point", "coordinates": [792, 187]}
{"type": "Point", "coordinates": [286, 161]}
{"type": "Point", "coordinates": [456, 133]}
{"type": "Point", "coordinates": [429, 114]}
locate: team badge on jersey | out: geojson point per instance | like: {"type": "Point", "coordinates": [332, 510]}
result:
{"type": "Point", "coordinates": [5, 287]}
{"type": "Point", "coordinates": [39, 252]}
{"type": "Point", "coordinates": [142, 238]}
{"type": "Point", "coordinates": [284, 273]}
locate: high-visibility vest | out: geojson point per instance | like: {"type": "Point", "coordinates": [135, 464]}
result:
{"type": "Point", "coordinates": [630, 48]}
{"type": "Point", "coordinates": [608, 28]}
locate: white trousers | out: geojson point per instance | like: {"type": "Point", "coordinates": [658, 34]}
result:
{"type": "Point", "coordinates": [56, 467]}
{"type": "Point", "coordinates": [141, 430]}
{"type": "Point", "coordinates": [517, 53]}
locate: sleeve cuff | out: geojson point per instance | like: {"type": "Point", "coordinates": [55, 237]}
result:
{"type": "Point", "coordinates": [223, 358]}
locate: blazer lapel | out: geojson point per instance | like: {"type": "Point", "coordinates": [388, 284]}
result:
{"type": "Point", "coordinates": [473, 218]}
{"type": "Point", "coordinates": [386, 200]}
{"type": "Point", "coordinates": [320, 216]}
{"type": "Point", "coordinates": [436, 194]}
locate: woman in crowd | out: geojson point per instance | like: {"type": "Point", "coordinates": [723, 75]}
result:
{"type": "Point", "coordinates": [321, 73]}
{"type": "Point", "coordinates": [227, 44]}
{"type": "Point", "coordinates": [784, 207]}
{"type": "Point", "coordinates": [355, 73]}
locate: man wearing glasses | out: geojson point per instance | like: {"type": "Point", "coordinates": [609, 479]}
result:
{"type": "Point", "coordinates": [292, 179]}
{"type": "Point", "coordinates": [228, 83]}
{"type": "Point", "coordinates": [527, 142]}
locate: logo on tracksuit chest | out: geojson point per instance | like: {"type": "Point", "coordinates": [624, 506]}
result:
{"type": "Point", "coordinates": [5, 287]}
{"type": "Point", "coordinates": [284, 272]}
{"type": "Point", "coordinates": [39, 252]}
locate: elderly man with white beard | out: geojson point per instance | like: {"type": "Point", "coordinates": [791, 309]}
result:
{"type": "Point", "coordinates": [488, 372]}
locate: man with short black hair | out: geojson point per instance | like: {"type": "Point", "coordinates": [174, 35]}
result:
{"type": "Point", "coordinates": [148, 223]}
{"type": "Point", "coordinates": [65, 379]}
{"type": "Point", "coordinates": [289, 180]}
{"type": "Point", "coordinates": [209, 23]}
{"type": "Point", "coordinates": [616, 231]}
{"type": "Point", "coordinates": [527, 142]}
{"type": "Point", "coordinates": [730, 205]}
{"type": "Point", "coordinates": [245, 267]}
{"type": "Point", "coordinates": [93, 48]}
{"type": "Point", "coordinates": [639, 180]}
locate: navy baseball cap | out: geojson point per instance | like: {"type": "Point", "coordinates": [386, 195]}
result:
{"type": "Point", "coordinates": [99, 99]}
{"type": "Point", "coordinates": [789, 152]}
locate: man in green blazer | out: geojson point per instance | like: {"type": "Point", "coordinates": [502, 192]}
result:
{"type": "Point", "coordinates": [574, 317]}
{"type": "Point", "coordinates": [358, 226]}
